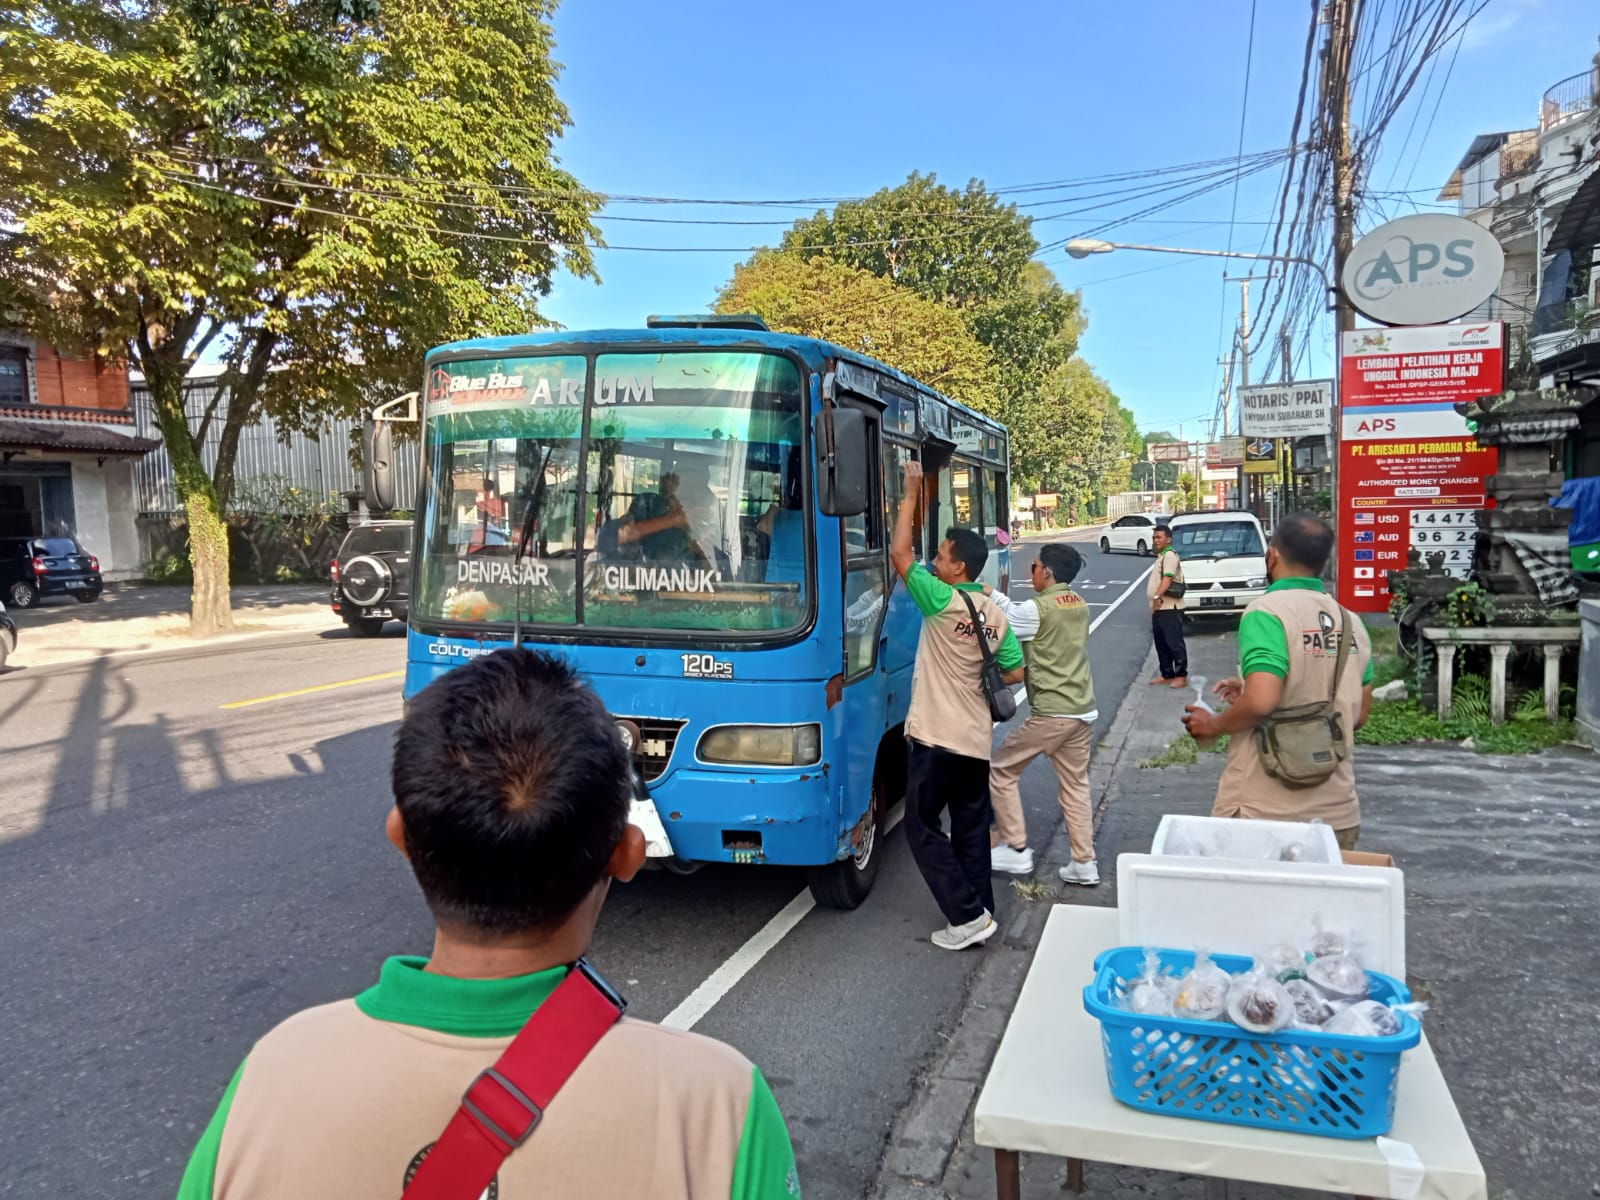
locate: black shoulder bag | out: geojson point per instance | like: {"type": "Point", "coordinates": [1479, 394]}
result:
{"type": "Point", "coordinates": [1176, 587]}
{"type": "Point", "coordinates": [1002, 703]}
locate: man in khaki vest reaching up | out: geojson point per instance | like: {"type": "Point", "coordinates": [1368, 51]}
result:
{"type": "Point", "coordinates": [949, 732]}
{"type": "Point", "coordinates": [1289, 643]}
{"type": "Point", "coordinates": [1053, 628]}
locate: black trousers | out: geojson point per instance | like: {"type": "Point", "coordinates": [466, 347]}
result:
{"type": "Point", "coordinates": [956, 868]}
{"type": "Point", "coordinates": [1167, 627]}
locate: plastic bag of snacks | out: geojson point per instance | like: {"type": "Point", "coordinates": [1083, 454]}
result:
{"type": "Point", "coordinates": [1259, 1003]}
{"type": "Point", "coordinates": [1202, 993]}
{"type": "Point", "coordinates": [1286, 962]}
{"type": "Point", "coordinates": [1340, 977]}
{"type": "Point", "coordinates": [1311, 1008]}
{"type": "Point", "coordinates": [1151, 994]}
{"type": "Point", "coordinates": [1368, 1018]}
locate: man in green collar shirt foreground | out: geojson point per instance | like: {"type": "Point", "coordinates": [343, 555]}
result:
{"type": "Point", "coordinates": [1288, 655]}
{"type": "Point", "coordinates": [949, 731]}
{"type": "Point", "coordinates": [1053, 627]}
{"type": "Point", "coordinates": [512, 793]}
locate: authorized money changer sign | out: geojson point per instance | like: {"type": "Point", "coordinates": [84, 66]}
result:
{"type": "Point", "coordinates": [1287, 409]}
{"type": "Point", "coordinates": [1411, 475]}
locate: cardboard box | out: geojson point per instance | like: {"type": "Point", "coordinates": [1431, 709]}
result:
{"type": "Point", "coordinates": [1366, 858]}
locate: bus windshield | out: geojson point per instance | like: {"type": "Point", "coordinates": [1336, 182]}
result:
{"type": "Point", "coordinates": [675, 489]}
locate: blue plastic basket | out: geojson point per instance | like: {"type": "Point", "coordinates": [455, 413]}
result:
{"type": "Point", "coordinates": [1299, 1081]}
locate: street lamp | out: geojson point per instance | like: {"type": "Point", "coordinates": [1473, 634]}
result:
{"type": "Point", "coordinates": [1084, 247]}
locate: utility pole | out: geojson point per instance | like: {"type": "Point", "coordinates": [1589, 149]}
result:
{"type": "Point", "coordinates": [1343, 18]}
{"type": "Point", "coordinates": [1244, 364]}
{"type": "Point", "coordinates": [1286, 452]}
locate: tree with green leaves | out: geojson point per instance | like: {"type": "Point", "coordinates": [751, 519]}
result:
{"type": "Point", "coordinates": [1187, 497]}
{"type": "Point", "coordinates": [969, 250]}
{"type": "Point", "coordinates": [861, 311]}
{"type": "Point", "coordinates": [317, 189]}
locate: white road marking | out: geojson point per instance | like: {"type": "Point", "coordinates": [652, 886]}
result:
{"type": "Point", "coordinates": [1115, 604]}
{"type": "Point", "coordinates": [720, 982]}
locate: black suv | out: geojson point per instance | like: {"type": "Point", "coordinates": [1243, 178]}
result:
{"type": "Point", "coordinates": [372, 576]}
{"type": "Point", "coordinates": [32, 567]}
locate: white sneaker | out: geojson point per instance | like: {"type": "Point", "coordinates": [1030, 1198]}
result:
{"type": "Point", "coordinates": [1010, 861]}
{"type": "Point", "coordinates": [1085, 874]}
{"type": "Point", "coordinates": [958, 937]}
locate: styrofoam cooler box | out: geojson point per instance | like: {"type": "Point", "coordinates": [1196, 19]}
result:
{"type": "Point", "coordinates": [1235, 837]}
{"type": "Point", "coordinates": [1237, 907]}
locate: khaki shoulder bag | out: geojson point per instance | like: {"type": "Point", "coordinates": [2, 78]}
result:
{"type": "Point", "coordinates": [1302, 746]}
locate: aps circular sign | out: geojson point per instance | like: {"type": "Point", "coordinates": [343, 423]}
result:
{"type": "Point", "coordinates": [1423, 269]}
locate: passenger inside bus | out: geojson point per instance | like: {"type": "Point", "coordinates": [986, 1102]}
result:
{"type": "Point", "coordinates": [784, 527]}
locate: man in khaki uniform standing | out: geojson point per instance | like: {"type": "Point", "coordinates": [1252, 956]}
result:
{"type": "Point", "coordinates": [1053, 628]}
{"type": "Point", "coordinates": [949, 732]}
{"type": "Point", "coordinates": [1288, 651]}
{"type": "Point", "coordinates": [1166, 612]}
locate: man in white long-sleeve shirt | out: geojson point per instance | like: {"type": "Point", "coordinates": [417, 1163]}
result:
{"type": "Point", "coordinates": [1053, 628]}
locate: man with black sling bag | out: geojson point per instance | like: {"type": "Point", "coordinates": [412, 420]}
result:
{"type": "Point", "coordinates": [950, 728]}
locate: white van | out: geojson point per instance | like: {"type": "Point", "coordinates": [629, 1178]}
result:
{"type": "Point", "coordinates": [1224, 560]}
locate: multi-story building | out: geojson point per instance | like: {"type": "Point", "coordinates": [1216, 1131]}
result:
{"type": "Point", "coordinates": [1538, 191]}
{"type": "Point", "coordinates": [67, 450]}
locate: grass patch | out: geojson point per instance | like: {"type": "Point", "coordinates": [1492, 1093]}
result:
{"type": "Point", "coordinates": [1402, 721]}
{"type": "Point", "coordinates": [1031, 890]}
{"type": "Point", "coordinates": [1183, 752]}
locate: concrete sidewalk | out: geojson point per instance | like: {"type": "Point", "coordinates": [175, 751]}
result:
{"type": "Point", "coordinates": [1499, 858]}
{"type": "Point", "coordinates": [131, 618]}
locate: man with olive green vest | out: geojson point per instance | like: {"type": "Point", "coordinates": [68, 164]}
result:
{"type": "Point", "coordinates": [1053, 628]}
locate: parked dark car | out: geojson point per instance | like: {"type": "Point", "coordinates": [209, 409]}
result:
{"type": "Point", "coordinates": [33, 567]}
{"type": "Point", "coordinates": [8, 636]}
{"type": "Point", "coordinates": [372, 576]}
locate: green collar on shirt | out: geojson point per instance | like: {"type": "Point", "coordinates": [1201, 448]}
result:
{"type": "Point", "coordinates": [1303, 583]}
{"type": "Point", "coordinates": [1055, 589]}
{"type": "Point", "coordinates": [405, 994]}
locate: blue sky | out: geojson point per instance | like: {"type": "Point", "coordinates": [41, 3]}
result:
{"type": "Point", "coordinates": [719, 100]}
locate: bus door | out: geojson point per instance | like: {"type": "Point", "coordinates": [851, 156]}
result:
{"type": "Point", "coordinates": [865, 712]}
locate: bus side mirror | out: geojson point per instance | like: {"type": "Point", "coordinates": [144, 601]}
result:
{"type": "Point", "coordinates": [377, 465]}
{"type": "Point", "coordinates": [840, 435]}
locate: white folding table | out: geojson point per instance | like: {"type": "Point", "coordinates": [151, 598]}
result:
{"type": "Point", "coordinates": [1046, 1093]}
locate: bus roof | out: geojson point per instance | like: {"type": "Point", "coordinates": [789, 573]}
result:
{"type": "Point", "coordinates": [590, 340]}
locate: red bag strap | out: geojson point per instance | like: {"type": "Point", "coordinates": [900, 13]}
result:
{"type": "Point", "coordinates": [504, 1105]}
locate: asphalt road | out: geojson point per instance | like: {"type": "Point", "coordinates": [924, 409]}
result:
{"type": "Point", "coordinates": [180, 871]}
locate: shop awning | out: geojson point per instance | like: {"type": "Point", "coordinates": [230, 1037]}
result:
{"type": "Point", "coordinates": [71, 437]}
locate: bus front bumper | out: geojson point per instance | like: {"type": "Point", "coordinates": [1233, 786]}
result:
{"type": "Point", "coordinates": [786, 818]}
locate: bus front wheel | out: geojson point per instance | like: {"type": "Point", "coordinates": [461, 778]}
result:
{"type": "Point", "coordinates": [845, 884]}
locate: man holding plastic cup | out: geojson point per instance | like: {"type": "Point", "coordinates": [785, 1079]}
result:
{"type": "Point", "coordinates": [1305, 687]}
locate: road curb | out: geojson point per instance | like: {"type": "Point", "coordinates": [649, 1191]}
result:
{"type": "Point", "coordinates": [923, 1140]}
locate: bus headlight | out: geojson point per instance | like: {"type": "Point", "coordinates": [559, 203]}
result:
{"type": "Point", "coordinates": [1257, 581]}
{"type": "Point", "coordinates": [762, 745]}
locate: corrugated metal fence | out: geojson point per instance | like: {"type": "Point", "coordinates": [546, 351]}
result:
{"type": "Point", "coordinates": [268, 460]}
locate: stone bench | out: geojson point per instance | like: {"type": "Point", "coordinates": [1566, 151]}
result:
{"type": "Point", "coordinates": [1552, 639]}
